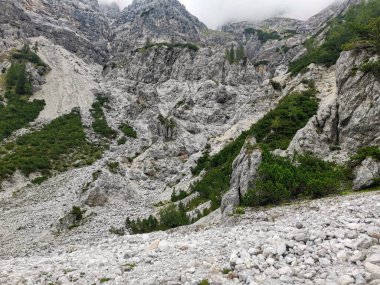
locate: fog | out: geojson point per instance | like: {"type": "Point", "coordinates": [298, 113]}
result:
{"type": "Point", "coordinates": [215, 13]}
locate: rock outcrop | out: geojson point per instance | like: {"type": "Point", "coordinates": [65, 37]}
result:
{"type": "Point", "coordinates": [244, 173]}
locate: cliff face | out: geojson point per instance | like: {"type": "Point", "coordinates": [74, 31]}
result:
{"type": "Point", "coordinates": [79, 26]}
{"type": "Point", "coordinates": [168, 77]}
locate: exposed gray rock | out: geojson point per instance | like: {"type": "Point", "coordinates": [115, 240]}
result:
{"type": "Point", "coordinates": [366, 173]}
{"type": "Point", "coordinates": [244, 171]}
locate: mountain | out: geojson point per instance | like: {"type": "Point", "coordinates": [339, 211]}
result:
{"type": "Point", "coordinates": [157, 20]}
{"type": "Point", "coordinates": [131, 141]}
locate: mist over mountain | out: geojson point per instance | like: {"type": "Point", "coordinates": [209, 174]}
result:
{"type": "Point", "coordinates": [215, 13]}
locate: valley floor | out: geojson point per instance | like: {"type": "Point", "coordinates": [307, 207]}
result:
{"type": "Point", "coordinates": [328, 241]}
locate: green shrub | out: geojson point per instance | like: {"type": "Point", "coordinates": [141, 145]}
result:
{"type": "Point", "coordinates": [113, 167]}
{"type": "Point", "coordinates": [122, 140]}
{"type": "Point", "coordinates": [204, 282]}
{"type": "Point", "coordinates": [57, 146]}
{"type": "Point", "coordinates": [100, 124]}
{"type": "Point", "coordinates": [17, 79]}
{"type": "Point", "coordinates": [77, 212]}
{"type": "Point", "coordinates": [40, 180]}
{"type": "Point", "coordinates": [104, 280]}
{"type": "Point", "coordinates": [128, 131]}
{"type": "Point", "coordinates": [239, 211]}
{"type": "Point", "coordinates": [360, 23]}
{"type": "Point", "coordinates": [371, 67]}
{"type": "Point", "coordinates": [178, 197]}
{"type": "Point", "coordinates": [170, 217]}
{"type": "Point", "coordinates": [117, 231]}
{"type": "Point", "coordinates": [365, 152]}
{"type": "Point", "coordinates": [281, 180]}
{"type": "Point", "coordinates": [226, 270]}
{"type": "Point", "coordinates": [25, 54]}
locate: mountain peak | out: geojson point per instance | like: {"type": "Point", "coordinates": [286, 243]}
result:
{"type": "Point", "coordinates": [159, 20]}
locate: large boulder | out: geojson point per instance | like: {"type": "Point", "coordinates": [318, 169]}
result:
{"type": "Point", "coordinates": [366, 173]}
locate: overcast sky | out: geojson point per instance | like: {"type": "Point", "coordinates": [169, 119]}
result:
{"type": "Point", "coordinates": [215, 13]}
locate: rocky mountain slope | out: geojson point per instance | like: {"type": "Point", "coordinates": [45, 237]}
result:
{"type": "Point", "coordinates": [157, 92]}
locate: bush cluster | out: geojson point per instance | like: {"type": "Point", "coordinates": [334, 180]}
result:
{"type": "Point", "coordinates": [280, 180]}
{"type": "Point", "coordinates": [19, 111]}
{"type": "Point", "coordinates": [365, 152]}
{"type": "Point", "coordinates": [371, 67]}
{"type": "Point", "coordinates": [57, 146]}
{"type": "Point", "coordinates": [100, 124]}
{"type": "Point", "coordinates": [170, 217]}
{"type": "Point", "coordinates": [128, 131]}
{"type": "Point", "coordinates": [178, 197]}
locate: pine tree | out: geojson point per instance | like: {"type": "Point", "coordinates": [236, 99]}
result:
{"type": "Point", "coordinates": [231, 57]}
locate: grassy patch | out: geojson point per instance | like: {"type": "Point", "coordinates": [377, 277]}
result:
{"type": "Point", "coordinates": [56, 147]}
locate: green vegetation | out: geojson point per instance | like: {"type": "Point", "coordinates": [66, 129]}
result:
{"type": "Point", "coordinates": [104, 280]}
{"type": "Point", "coordinates": [128, 131]}
{"type": "Point", "coordinates": [113, 167]}
{"type": "Point", "coordinates": [18, 111]}
{"type": "Point", "coordinates": [371, 67]}
{"type": "Point", "coordinates": [239, 211]}
{"type": "Point", "coordinates": [25, 54]}
{"type": "Point", "coordinates": [226, 270]}
{"type": "Point", "coordinates": [235, 57]}
{"type": "Point", "coordinates": [117, 231]}
{"type": "Point", "coordinates": [365, 152]}
{"type": "Point", "coordinates": [359, 27]}
{"type": "Point", "coordinates": [166, 122]}
{"type": "Point", "coordinates": [122, 140]}
{"type": "Point", "coordinates": [280, 180]}
{"type": "Point", "coordinates": [56, 147]}
{"type": "Point", "coordinates": [204, 282]}
{"type": "Point", "coordinates": [77, 212]}
{"type": "Point", "coordinates": [178, 197]}
{"type": "Point", "coordinates": [129, 267]}
{"type": "Point", "coordinates": [263, 35]}
{"type": "Point", "coordinates": [170, 217]}
{"type": "Point", "coordinates": [100, 124]}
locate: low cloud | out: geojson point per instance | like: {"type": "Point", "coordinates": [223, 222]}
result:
{"type": "Point", "coordinates": [215, 13]}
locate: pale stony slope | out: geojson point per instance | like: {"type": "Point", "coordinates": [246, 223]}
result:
{"type": "Point", "coordinates": [329, 241]}
{"type": "Point", "coordinates": [70, 83]}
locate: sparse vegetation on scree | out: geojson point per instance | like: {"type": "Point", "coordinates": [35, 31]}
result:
{"type": "Point", "coordinates": [16, 111]}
